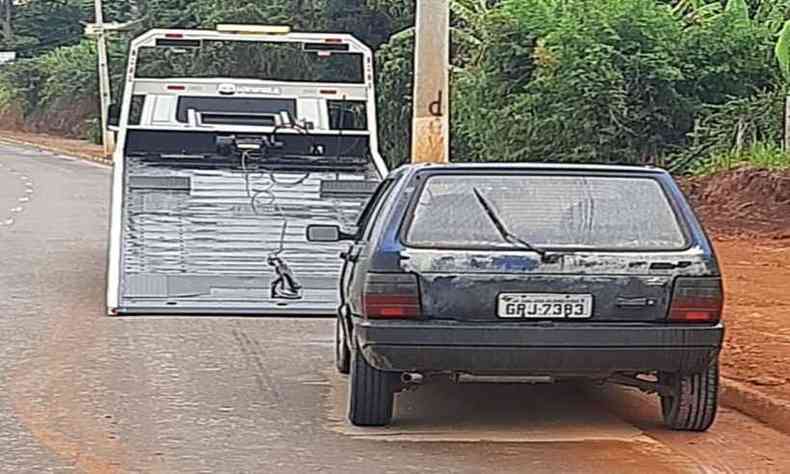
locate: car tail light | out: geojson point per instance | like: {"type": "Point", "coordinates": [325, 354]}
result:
{"type": "Point", "coordinates": [392, 296]}
{"type": "Point", "coordinates": [697, 300]}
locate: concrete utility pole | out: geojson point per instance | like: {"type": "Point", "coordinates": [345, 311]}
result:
{"type": "Point", "coordinates": [6, 14]}
{"type": "Point", "coordinates": [104, 80]}
{"type": "Point", "coordinates": [787, 124]}
{"type": "Point", "coordinates": [431, 128]}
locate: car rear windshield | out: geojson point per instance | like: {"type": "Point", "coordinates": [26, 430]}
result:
{"type": "Point", "coordinates": [579, 212]}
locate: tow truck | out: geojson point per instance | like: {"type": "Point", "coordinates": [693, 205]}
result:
{"type": "Point", "coordinates": [231, 142]}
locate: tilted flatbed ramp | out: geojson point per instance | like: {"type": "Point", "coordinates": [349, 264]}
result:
{"type": "Point", "coordinates": [217, 178]}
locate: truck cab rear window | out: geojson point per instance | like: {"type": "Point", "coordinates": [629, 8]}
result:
{"type": "Point", "coordinates": [228, 107]}
{"type": "Point", "coordinates": [348, 115]}
{"type": "Point", "coordinates": [559, 212]}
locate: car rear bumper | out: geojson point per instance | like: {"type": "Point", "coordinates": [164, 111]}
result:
{"type": "Point", "coordinates": [553, 349]}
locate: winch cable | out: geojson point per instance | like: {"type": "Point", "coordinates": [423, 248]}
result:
{"type": "Point", "coordinates": [284, 274]}
{"type": "Point", "coordinates": [274, 202]}
{"type": "Point", "coordinates": [267, 192]}
{"type": "Point", "coordinates": [255, 195]}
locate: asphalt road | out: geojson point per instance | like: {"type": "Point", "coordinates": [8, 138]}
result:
{"type": "Point", "coordinates": [81, 392]}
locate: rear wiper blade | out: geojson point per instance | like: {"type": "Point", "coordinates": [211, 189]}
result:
{"type": "Point", "coordinates": [507, 235]}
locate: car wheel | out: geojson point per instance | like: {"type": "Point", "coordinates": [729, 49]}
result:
{"type": "Point", "coordinates": [371, 394]}
{"type": "Point", "coordinates": [693, 404]}
{"type": "Point", "coordinates": [342, 354]}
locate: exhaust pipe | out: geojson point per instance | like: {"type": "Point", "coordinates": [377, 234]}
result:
{"type": "Point", "coordinates": [411, 378]}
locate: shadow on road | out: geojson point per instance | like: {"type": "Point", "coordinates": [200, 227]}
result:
{"type": "Point", "coordinates": [445, 411]}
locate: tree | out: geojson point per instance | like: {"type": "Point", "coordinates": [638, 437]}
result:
{"type": "Point", "coordinates": [6, 15]}
{"type": "Point", "coordinates": [371, 21]}
{"type": "Point", "coordinates": [63, 25]}
{"type": "Point", "coordinates": [394, 88]}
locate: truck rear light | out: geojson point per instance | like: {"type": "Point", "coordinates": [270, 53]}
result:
{"type": "Point", "coordinates": [697, 300]}
{"type": "Point", "coordinates": [391, 296]}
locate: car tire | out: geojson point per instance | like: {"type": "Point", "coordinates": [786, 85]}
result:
{"type": "Point", "coordinates": [371, 394]}
{"type": "Point", "coordinates": [694, 403]}
{"type": "Point", "coordinates": [342, 353]}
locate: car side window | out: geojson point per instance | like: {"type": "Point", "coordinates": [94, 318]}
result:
{"type": "Point", "coordinates": [368, 216]}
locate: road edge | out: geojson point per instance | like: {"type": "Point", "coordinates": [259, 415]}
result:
{"type": "Point", "coordinates": [756, 404]}
{"type": "Point", "coordinates": [60, 151]}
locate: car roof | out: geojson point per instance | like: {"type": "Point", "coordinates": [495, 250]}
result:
{"type": "Point", "coordinates": [535, 167]}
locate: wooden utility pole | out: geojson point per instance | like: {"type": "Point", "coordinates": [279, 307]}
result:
{"type": "Point", "coordinates": [431, 128]}
{"type": "Point", "coordinates": [104, 80]}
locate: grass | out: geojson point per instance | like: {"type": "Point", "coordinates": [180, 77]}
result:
{"type": "Point", "coordinates": [760, 155]}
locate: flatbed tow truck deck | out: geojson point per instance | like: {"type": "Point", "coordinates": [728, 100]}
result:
{"type": "Point", "coordinates": [217, 178]}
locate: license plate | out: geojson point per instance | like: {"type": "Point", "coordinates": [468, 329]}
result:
{"type": "Point", "coordinates": [544, 305]}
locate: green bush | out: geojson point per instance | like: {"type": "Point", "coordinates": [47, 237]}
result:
{"type": "Point", "coordinates": [591, 82]}
{"type": "Point", "coordinates": [21, 84]}
{"type": "Point", "coordinates": [394, 77]}
{"type": "Point", "coordinates": [607, 81]}
{"type": "Point", "coordinates": [68, 72]}
{"type": "Point", "coordinates": [727, 129]}
{"type": "Point", "coordinates": [758, 155]}
{"type": "Point", "coordinates": [55, 91]}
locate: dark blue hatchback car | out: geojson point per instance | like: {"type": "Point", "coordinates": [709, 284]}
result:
{"type": "Point", "coordinates": [529, 273]}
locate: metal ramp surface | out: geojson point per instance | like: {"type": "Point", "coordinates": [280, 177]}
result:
{"type": "Point", "coordinates": [198, 236]}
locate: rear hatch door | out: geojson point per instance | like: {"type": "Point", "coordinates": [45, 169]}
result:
{"type": "Point", "coordinates": [613, 245]}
